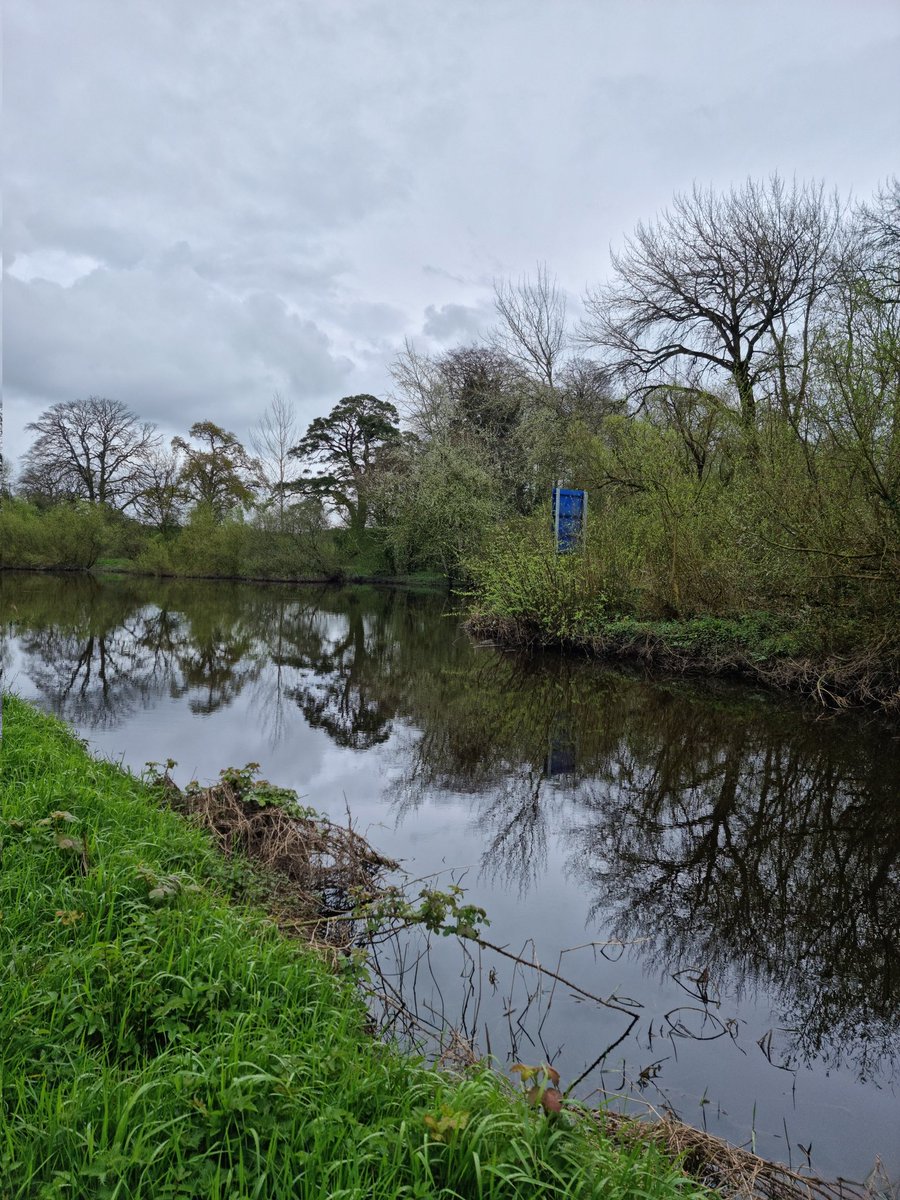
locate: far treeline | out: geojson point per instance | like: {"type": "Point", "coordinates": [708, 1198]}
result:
{"type": "Point", "coordinates": [730, 399]}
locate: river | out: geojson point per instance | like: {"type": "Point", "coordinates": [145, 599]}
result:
{"type": "Point", "coordinates": [719, 862]}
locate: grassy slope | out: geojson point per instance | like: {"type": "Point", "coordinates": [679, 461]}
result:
{"type": "Point", "coordinates": [181, 1048]}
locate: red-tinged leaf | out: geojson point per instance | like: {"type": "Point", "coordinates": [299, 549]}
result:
{"type": "Point", "coordinates": [553, 1075]}
{"type": "Point", "coordinates": [550, 1099]}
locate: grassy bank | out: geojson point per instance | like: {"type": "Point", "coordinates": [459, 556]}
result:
{"type": "Point", "coordinates": [837, 650]}
{"type": "Point", "coordinates": [159, 1041]}
{"type": "Point", "coordinates": [756, 648]}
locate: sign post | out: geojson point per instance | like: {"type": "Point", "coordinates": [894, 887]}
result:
{"type": "Point", "coordinates": [569, 517]}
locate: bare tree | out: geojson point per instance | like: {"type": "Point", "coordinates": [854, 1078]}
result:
{"type": "Point", "coordinates": [422, 396]}
{"type": "Point", "coordinates": [5, 479]}
{"type": "Point", "coordinates": [46, 483]}
{"type": "Point", "coordinates": [723, 284]}
{"type": "Point", "coordinates": [584, 392]}
{"type": "Point", "coordinates": [532, 328]}
{"type": "Point", "coordinates": [272, 438]}
{"type": "Point", "coordinates": [879, 226]}
{"type": "Point", "coordinates": [162, 498]}
{"type": "Point", "coordinates": [95, 449]}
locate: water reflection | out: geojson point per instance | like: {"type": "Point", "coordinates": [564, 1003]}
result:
{"type": "Point", "coordinates": [730, 834]}
{"type": "Point", "coordinates": [765, 852]}
{"type": "Point", "coordinates": [740, 843]}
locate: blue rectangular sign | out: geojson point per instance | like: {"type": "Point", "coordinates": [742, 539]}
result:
{"type": "Point", "coordinates": [569, 515]}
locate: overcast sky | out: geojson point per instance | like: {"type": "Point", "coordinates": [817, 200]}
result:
{"type": "Point", "coordinates": [207, 201]}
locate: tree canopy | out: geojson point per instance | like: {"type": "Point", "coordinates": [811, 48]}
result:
{"type": "Point", "coordinates": [218, 472]}
{"type": "Point", "coordinates": [340, 454]}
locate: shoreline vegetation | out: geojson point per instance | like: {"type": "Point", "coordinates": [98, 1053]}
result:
{"type": "Point", "coordinates": [869, 678]}
{"type": "Point", "coordinates": [176, 1021]}
{"type": "Point", "coordinates": [161, 1039]}
{"type": "Point", "coordinates": [559, 608]}
{"type": "Point", "coordinates": [333, 579]}
{"type": "Point", "coordinates": [860, 671]}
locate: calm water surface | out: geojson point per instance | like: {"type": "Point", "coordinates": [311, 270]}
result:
{"type": "Point", "coordinates": [738, 851]}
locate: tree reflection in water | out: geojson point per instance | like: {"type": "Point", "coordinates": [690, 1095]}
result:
{"type": "Point", "coordinates": [765, 851]}
{"type": "Point", "coordinates": [720, 831]}
{"type": "Point", "coordinates": [732, 835]}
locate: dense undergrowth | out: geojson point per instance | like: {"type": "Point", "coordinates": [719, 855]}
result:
{"type": "Point", "coordinates": [81, 536]}
{"type": "Point", "coordinates": [157, 1040]}
{"type": "Point", "coordinates": [704, 585]}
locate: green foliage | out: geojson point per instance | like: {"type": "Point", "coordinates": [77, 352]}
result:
{"type": "Point", "coordinates": [66, 536]}
{"type": "Point", "coordinates": [341, 453]}
{"type": "Point", "coordinates": [521, 578]}
{"type": "Point", "coordinates": [155, 1042]}
{"type": "Point", "coordinates": [207, 546]}
{"type": "Point", "coordinates": [444, 912]}
{"type": "Point", "coordinates": [440, 509]}
{"type": "Point", "coordinates": [218, 475]}
{"type": "Point", "coordinates": [707, 540]}
{"type": "Point", "coordinates": [260, 792]}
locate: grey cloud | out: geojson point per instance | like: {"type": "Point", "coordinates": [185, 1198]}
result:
{"type": "Point", "coordinates": [274, 193]}
{"type": "Point", "coordinates": [456, 322]}
{"type": "Point", "coordinates": [165, 343]}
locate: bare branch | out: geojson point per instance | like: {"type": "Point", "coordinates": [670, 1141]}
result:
{"type": "Point", "coordinates": [725, 284]}
{"type": "Point", "coordinates": [533, 323]}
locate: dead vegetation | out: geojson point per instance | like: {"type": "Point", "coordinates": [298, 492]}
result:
{"type": "Point", "coordinates": [734, 1171]}
{"type": "Point", "coordinates": [309, 873]}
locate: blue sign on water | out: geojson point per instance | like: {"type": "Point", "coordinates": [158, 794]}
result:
{"type": "Point", "coordinates": [569, 514]}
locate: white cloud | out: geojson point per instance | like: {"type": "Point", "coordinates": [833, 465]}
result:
{"type": "Point", "coordinates": [205, 203]}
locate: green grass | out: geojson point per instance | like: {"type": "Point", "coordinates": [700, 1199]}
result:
{"type": "Point", "coordinates": [180, 1047]}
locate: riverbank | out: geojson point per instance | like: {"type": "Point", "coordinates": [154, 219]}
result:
{"type": "Point", "coordinates": [755, 648]}
{"type": "Point", "coordinates": [160, 1040]}
{"type": "Point", "coordinates": [421, 579]}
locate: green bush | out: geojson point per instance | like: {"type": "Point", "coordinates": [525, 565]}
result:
{"type": "Point", "coordinates": [66, 536]}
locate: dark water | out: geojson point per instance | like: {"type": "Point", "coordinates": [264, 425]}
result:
{"type": "Point", "coordinates": [739, 851]}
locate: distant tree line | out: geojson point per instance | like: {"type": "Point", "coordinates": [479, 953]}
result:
{"type": "Point", "coordinates": [730, 398]}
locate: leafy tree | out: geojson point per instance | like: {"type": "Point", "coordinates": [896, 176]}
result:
{"type": "Point", "coordinates": [218, 473]}
{"type": "Point", "coordinates": [475, 399]}
{"type": "Point", "coordinates": [94, 449]}
{"type": "Point", "coordinates": [441, 509]}
{"type": "Point", "coordinates": [341, 453]}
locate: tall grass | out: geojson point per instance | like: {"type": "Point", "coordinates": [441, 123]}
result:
{"type": "Point", "coordinates": [156, 1041]}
